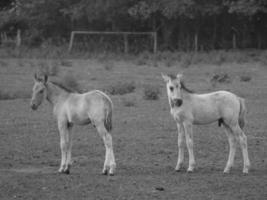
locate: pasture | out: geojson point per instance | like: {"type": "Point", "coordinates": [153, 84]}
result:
{"type": "Point", "coordinates": [144, 134]}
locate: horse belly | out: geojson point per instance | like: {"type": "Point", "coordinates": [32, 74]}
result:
{"type": "Point", "coordinates": [78, 116]}
{"type": "Point", "coordinates": [205, 117]}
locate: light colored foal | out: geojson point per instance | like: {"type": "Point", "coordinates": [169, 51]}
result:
{"type": "Point", "coordinates": [76, 109]}
{"type": "Point", "coordinates": [188, 109]}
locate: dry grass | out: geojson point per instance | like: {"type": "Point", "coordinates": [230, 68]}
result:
{"type": "Point", "coordinates": [151, 92]}
{"type": "Point", "coordinates": [245, 78]}
{"type": "Point", "coordinates": [7, 95]}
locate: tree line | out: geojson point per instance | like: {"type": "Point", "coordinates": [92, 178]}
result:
{"type": "Point", "coordinates": [180, 24]}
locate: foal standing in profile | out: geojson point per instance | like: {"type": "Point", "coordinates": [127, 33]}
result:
{"type": "Point", "coordinates": [188, 109]}
{"type": "Point", "coordinates": [73, 108]}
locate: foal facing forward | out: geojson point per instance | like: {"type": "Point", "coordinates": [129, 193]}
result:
{"type": "Point", "coordinates": [72, 108]}
{"type": "Point", "coordinates": [188, 108]}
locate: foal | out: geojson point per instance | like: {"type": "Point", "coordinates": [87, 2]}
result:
{"type": "Point", "coordinates": [188, 109]}
{"type": "Point", "coordinates": [72, 108]}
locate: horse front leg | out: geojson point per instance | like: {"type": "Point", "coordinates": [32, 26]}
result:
{"type": "Point", "coordinates": [188, 128]}
{"type": "Point", "coordinates": [180, 159]}
{"type": "Point", "coordinates": [65, 146]}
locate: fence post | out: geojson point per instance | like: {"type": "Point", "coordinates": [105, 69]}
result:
{"type": "Point", "coordinates": [234, 41]}
{"type": "Point", "coordinates": [155, 46]}
{"type": "Point", "coordinates": [196, 42]}
{"type": "Point", "coordinates": [125, 37]}
{"type": "Point", "coordinates": [18, 39]}
{"type": "Point", "coordinates": [71, 40]}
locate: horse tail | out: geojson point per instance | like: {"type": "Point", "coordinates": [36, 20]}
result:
{"type": "Point", "coordinates": [108, 118]}
{"type": "Point", "coordinates": [242, 113]}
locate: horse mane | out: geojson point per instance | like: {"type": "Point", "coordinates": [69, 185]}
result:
{"type": "Point", "coordinates": [64, 87]}
{"type": "Point", "coordinates": [183, 86]}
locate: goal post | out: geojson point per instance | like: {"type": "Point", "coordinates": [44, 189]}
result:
{"type": "Point", "coordinates": [124, 34]}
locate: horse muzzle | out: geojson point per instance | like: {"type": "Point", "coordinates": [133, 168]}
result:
{"type": "Point", "coordinates": [177, 102]}
{"type": "Point", "coordinates": [34, 106]}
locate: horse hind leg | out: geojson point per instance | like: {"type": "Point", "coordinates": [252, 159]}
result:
{"type": "Point", "coordinates": [240, 135]}
{"type": "Point", "coordinates": [69, 147]}
{"type": "Point", "coordinates": [232, 149]}
{"type": "Point", "coordinates": [109, 164]}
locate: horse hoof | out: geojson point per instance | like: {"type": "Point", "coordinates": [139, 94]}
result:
{"type": "Point", "coordinates": [104, 172]}
{"type": "Point", "coordinates": [178, 170]}
{"type": "Point", "coordinates": [111, 174]}
{"type": "Point", "coordinates": [189, 171]}
{"type": "Point", "coordinates": [245, 172]}
{"type": "Point", "coordinates": [64, 172]}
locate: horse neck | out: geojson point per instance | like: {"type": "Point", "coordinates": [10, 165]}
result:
{"type": "Point", "coordinates": [187, 96]}
{"type": "Point", "coordinates": [55, 94]}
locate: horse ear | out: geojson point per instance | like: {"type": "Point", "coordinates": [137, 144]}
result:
{"type": "Point", "coordinates": [41, 78]}
{"type": "Point", "coordinates": [45, 78]}
{"type": "Point", "coordinates": [180, 77]}
{"type": "Point", "coordinates": [166, 78]}
{"type": "Point", "coordinates": [35, 77]}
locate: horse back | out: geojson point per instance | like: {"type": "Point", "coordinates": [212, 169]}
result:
{"type": "Point", "coordinates": [219, 106]}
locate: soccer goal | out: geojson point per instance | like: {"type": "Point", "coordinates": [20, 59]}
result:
{"type": "Point", "coordinates": [124, 34]}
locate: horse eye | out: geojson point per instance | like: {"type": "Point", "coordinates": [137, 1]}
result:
{"type": "Point", "coordinates": [171, 89]}
{"type": "Point", "coordinates": [42, 91]}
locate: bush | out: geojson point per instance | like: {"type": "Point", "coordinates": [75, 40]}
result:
{"type": "Point", "coordinates": [66, 63]}
{"type": "Point", "coordinates": [128, 103]}
{"type": "Point", "coordinates": [4, 95]}
{"type": "Point", "coordinates": [141, 60]}
{"type": "Point", "coordinates": [245, 78]}
{"type": "Point", "coordinates": [3, 63]}
{"type": "Point", "coordinates": [220, 78]}
{"type": "Point", "coordinates": [151, 92]}
{"type": "Point", "coordinates": [108, 65]}
{"type": "Point", "coordinates": [121, 88]}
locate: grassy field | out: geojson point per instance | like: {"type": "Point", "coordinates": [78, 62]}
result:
{"type": "Point", "coordinates": [144, 134]}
